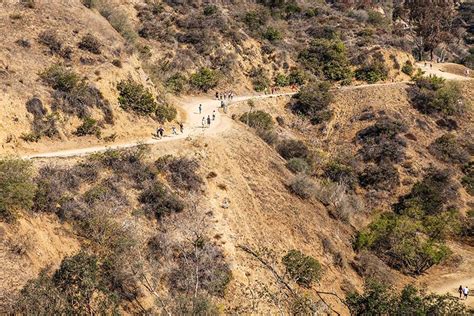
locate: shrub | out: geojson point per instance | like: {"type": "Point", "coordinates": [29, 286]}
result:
{"type": "Point", "coordinates": [381, 141]}
{"type": "Point", "coordinates": [157, 200]}
{"type": "Point", "coordinates": [376, 18]}
{"type": "Point", "coordinates": [135, 97]}
{"type": "Point", "coordinates": [192, 305]}
{"type": "Point", "coordinates": [408, 68]}
{"type": "Point", "coordinates": [272, 34]}
{"type": "Point", "coordinates": [383, 176]}
{"type": "Point", "coordinates": [468, 180]}
{"type": "Point", "coordinates": [182, 172]}
{"type": "Point", "coordinates": [204, 79]}
{"type": "Point", "coordinates": [90, 43]}
{"type": "Point", "coordinates": [298, 165]}
{"type": "Point", "coordinates": [165, 112]}
{"type": "Point", "coordinates": [210, 10]}
{"type": "Point", "coordinates": [259, 79]}
{"type": "Point", "coordinates": [435, 96]}
{"type": "Point", "coordinates": [79, 286]}
{"type": "Point", "coordinates": [400, 241]}
{"type": "Point", "coordinates": [342, 173]}
{"type": "Point", "coordinates": [281, 80]}
{"type": "Point", "coordinates": [206, 264]}
{"type": "Point", "coordinates": [372, 72]}
{"type": "Point", "coordinates": [16, 188]}
{"type": "Point", "coordinates": [303, 269]}
{"type": "Point", "coordinates": [257, 119]}
{"type": "Point", "coordinates": [313, 102]}
{"type": "Point", "coordinates": [117, 63]}
{"type": "Point", "coordinates": [327, 58]}
{"type": "Point", "coordinates": [381, 299]}
{"type": "Point", "coordinates": [60, 78]}
{"type": "Point", "coordinates": [255, 19]}
{"type": "Point", "coordinates": [269, 136]}
{"type": "Point", "coordinates": [302, 186]}
{"type": "Point", "coordinates": [291, 148]}
{"type": "Point", "coordinates": [176, 83]}
{"type": "Point", "coordinates": [297, 77]}
{"type": "Point", "coordinates": [50, 39]}
{"type": "Point", "coordinates": [88, 127]}
{"type": "Point", "coordinates": [447, 148]}
{"type": "Point", "coordinates": [433, 195]}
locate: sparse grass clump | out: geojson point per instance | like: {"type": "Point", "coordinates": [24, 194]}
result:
{"type": "Point", "coordinates": [51, 40]}
{"type": "Point", "coordinates": [16, 188]}
{"type": "Point", "coordinates": [60, 78]}
{"type": "Point", "coordinates": [303, 269]}
{"type": "Point", "coordinates": [302, 186]}
{"type": "Point", "coordinates": [313, 102]}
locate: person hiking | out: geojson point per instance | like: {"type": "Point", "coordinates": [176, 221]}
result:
{"type": "Point", "coordinates": [181, 127]}
{"type": "Point", "coordinates": [214, 115]}
{"type": "Point", "coordinates": [460, 290]}
{"type": "Point", "coordinates": [217, 95]}
{"type": "Point", "coordinates": [208, 120]}
{"type": "Point", "coordinates": [222, 104]}
{"type": "Point", "coordinates": [203, 122]}
{"type": "Point", "coordinates": [466, 292]}
{"type": "Point", "coordinates": [200, 108]}
{"type": "Point", "coordinates": [174, 130]}
{"type": "Point", "coordinates": [160, 132]}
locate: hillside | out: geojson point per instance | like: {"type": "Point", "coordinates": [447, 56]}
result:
{"type": "Point", "coordinates": [337, 180]}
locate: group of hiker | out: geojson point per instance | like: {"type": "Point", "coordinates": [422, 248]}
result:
{"type": "Point", "coordinates": [463, 292]}
{"type": "Point", "coordinates": [227, 95]}
{"type": "Point", "coordinates": [206, 122]}
{"type": "Point", "coordinates": [160, 132]}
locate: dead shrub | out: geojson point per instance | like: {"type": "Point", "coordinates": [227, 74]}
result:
{"type": "Point", "coordinates": [50, 39]}
{"type": "Point", "coordinates": [383, 176]}
{"type": "Point", "coordinates": [159, 201]}
{"type": "Point", "coordinates": [182, 172]}
{"type": "Point", "coordinates": [291, 148]}
{"type": "Point", "coordinates": [91, 44]}
{"type": "Point", "coordinates": [302, 186]}
{"type": "Point", "coordinates": [447, 148]}
{"type": "Point", "coordinates": [369, 266]}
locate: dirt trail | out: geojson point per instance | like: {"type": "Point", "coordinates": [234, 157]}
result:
{"type": "Point", "coordinates": [438, 69]}
{"type": "Point", "coordinates": [193, 127]}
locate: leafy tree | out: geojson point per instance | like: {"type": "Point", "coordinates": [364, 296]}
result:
{"type": "Point", "coordinates": [377, 299]}
{"type": "Point", "coordinates": [433, 23]}
{"type": "Point", "coordinates": [17, 189]}
{"type": "Point", "coordinates": [327, 58]}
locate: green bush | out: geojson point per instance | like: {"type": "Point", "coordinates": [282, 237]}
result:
{"type": "Point", "coordinates": [448, 149]}
{"type": "Point", "coordinates": [16, 188]}
{"type": "Point", "coordinates": [376, 18]}
{"type": "Point", "coordinates": [60, 78]}
{"type": "Point", "coordinates": [298, 165]}
{"type": "Point", "coordinates": [468, 179]}
{"type": "Point", "coordinates": [382, 299]}
{"type": "Point", "coordinates": [165, 112]}
{"type": "Point", "coordinates": [372, 72]}
{"type": "Point", "coordinates": [341, 173]}
{"type": "Point", "coordinates": [257, 119]}
{"type": "Point", "coordinates": [281, 80]}
{"type": "Point", "coordinates": [204, 79]}
{"type": "Point", "coordinates": [81, 285]}
{"type": "Point", "coordinates": [291, 148]}
{"type": "Point", "coordinates": [297, 77]}
{"type": "Point", "coordinates": [434, 95]}
{"type": "Point", "coordinates": [313, 102]}
{"type": "Point", "coordinates": [91, 44]}
{"type": "Point", "coordinates": [303, 269]}
{"type": "Point", "coordinates": [401, 241]}
{"type": "Point", "coordinates": [176, 83]}
{"type": "Point", "coordinates": [88, 127]}
{"type": "Point", "coordinates": [210, 10]}
{"type": "Point", "coordinates": [255, 19]}
{"type": "Point", "coordinates": [259, 79]}
{"type": "Point", "coordinates": [272, 34]}
{"type": "Point", "coordinates": [327, 58]}
{"type": "Point", "coordinates": [408, 68]}
{"type": "Point", "coordinates": [135, 97]}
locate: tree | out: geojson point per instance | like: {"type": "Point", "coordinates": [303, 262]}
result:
{"type": "Point", "coordinates": [432, 22]}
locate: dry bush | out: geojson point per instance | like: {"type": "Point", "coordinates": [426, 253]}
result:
{"type": "Point", "coordinates": [182, 172]}
{"type": "Point", "coordinates": [50, 39]}
{"type": "Point", "coordinates": [449, 149]}
{"type": "Point", "coordinates": [383, 176]}
{"type": "Point", "coordinates": [91, 44]}
{"type": "Point", "coordinates": [291, 148]}
{"type": "Point", "coordinates": [370, 266]}
{"type": "Point", "coordinates": [159, 201]}
{"type": "Point", "coordinates": [302, 186]}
